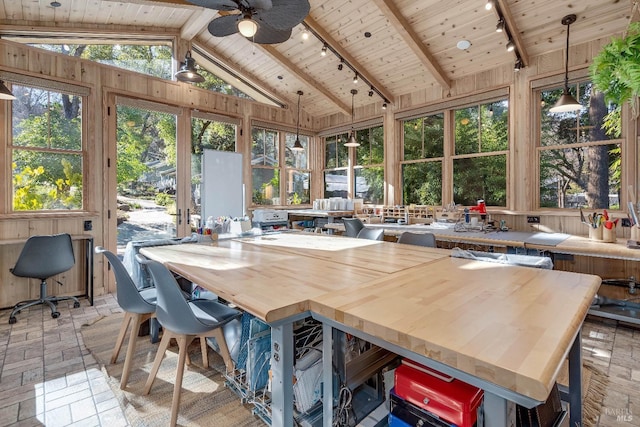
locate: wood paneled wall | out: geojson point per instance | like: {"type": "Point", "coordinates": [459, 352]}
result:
{"type": "Point", "coordinates": [105, 82]}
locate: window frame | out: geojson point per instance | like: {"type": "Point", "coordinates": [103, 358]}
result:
{"type": "Point", "coordinates": [576, 79]}
{"type": "Point", "coordinates": [84, 153]}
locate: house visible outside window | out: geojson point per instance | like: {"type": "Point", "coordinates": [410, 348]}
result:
{"type": "Point", "coordinates": [579, 164]}
{"type": "Point", "coordinates": [423, 157]}
{"type": "Point", "coordinates": [47, 152]}
{"type": "Point", "coordinates": [480, 159]}
{"type": "Point", "coordinates": [265, 167]}
{"type": "Point", "coordinates": [298, 174]}
{"type": "Point", "coordinates": [369, 165]}
{"type": "Point", "coordinates": [336, 166]}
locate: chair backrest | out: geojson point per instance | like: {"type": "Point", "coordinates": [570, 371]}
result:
{"type": "Point", "coordinates": [428, 240]}
{"type": "Point", "coordinates": [45, 256]}
{"type": "Point", "coordinates": [352, 226]}
{"type": "Point", "coordinates": [172, 310]}
{"type": "Point", "coordinates": [128, 296]}
{"type": "Point", "coordinates": [371, 233]}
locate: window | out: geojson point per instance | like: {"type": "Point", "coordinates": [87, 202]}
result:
{"type": "Point", "coordinates": [298, 175]}
{"type": "Point", "coordinates": [580, 164]}
{"type": "Point", "coordinates": [47, 151]}
{"type": "Point", "coordinates": [216, 84]}
{"type": "Point", "coordinates": [336, 164]}
{"type": "Point", "coordinates": [423, 155]}
{"type": "Point", "coordinates": [480, 160]}
{"type": "Point", "coordinates": [151, 59]}
{"type": "Point", "coordinates": [265, 171]}
{"type": "Point", "coordinates": [369, 169]}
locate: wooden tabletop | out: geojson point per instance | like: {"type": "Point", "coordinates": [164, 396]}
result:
{"type": "Point", "coordinates": [509, 325]}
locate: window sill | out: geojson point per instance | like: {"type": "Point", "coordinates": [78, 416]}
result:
{"type": "Point", "coordinates": [47, 215]}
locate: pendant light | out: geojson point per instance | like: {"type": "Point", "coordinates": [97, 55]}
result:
{"type": "Point", "coordinates": [352, 142]}
{"type": "Point", "coordinates": [188, 72]}
{"type": "Point", "coordinates": [566, 102]}
{"type": "Point", "coordinates": [297, 146]}
{"type": "Point", "coordinates": [5, 93]}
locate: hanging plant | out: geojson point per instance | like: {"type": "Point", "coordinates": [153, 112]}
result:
{"type": "Point", "coordinates": [615, 71]}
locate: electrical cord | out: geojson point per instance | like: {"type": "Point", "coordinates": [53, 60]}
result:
{"type": "Point", "coordinates": [343, 413]}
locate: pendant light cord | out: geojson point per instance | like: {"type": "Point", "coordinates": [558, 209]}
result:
{"type": "Point", "coordinates": [566, 61]}
{"type": "Point", "coordinates": [298, 122]}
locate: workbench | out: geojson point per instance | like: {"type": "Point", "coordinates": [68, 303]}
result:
{"type": "Point", "coordinates": [505, 329]}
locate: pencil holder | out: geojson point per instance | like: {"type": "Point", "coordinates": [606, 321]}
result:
{"type": "Point", "coordinates": [595, 233]}
{"type": "Point", "coordinates": [608, 235]}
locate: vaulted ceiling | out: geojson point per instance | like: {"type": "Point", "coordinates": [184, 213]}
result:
{"type": "Point", "coordinates": [398, 46]}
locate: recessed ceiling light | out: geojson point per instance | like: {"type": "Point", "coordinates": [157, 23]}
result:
{"type": "Point", "coordinates": [367, 34]}
{"type": "Point", "coordinates": [280, 77]}
{"type": "Point", "coordinates": [463, 44]}
{"type": "Point", "coordinates": [55, 4]}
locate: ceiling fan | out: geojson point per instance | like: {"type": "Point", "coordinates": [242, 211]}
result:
{"type": "Point", "coordinates": [261, 21]}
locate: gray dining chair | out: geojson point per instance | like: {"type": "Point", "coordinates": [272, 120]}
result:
{"type": "Point", "coordinates": [428, 240]}
{"type": "Point", "coordinates": [352, 226]}
{"type": "Point", "coordinates": [371, 233]}
{"type": "Point", "coordinates": [42, 257]}
{"type": "Point", "coordinates": [138, 305]}
{"type": "Point", "coordinates": [184, 321]}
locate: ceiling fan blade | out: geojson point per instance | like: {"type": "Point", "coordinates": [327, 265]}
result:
{"type": "Point", "coordinates": [285, 14]}
{"type": "Point", "coordinates": [227, 5]}
{"type": "Point", "coordinates": [268, 35]}
{"type": "Point", "coordinates": [259, 4]}
{"type": "Point", "coordinates": [224, 25]}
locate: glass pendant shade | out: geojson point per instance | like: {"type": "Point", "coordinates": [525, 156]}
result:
{"type": "Point", "coordinates": [247, 27]}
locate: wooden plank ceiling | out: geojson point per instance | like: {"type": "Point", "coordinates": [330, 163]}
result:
{"type": "Point", "coordinates": [412, 44]}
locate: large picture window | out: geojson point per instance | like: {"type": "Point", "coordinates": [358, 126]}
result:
{"type": "Point", "coordinates": [423, 156]}
{"type": "Point", "coordinates": [336, 165]}
{"type": "Point", "coordinates": [580, 164]}
{"type": "Point", "coordinates": [47, 150]}
{"type": "Point", "coordinates": [369, 165]}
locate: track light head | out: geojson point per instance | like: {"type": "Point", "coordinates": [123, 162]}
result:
{"type": "Point", "coordinates": [384, 105]}
{"type": "Point", "coordinates": [511, 46]}
{"type": "Point", "coordinates": [305, 34]}
{"type": "Point", "coordinates": [489, 5]}
{"type": "Point", "coordinates": [355, 79]}
{"type": "Point", "coordinates": [340, 66]}
{"type": "Point", "coordinates": [323, 52]}
{"type": "Point", "coordinates": [500, 25]}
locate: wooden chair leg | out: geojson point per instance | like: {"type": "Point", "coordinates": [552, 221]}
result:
{"type": "Point", "coordinates": [120, 339]}
{"type": "Point", "coordinates": [162, 348]}
{"type": "Point", "coordinates": [224, 350]}
{"type": "Point", "coordinates": [204, 349]}
{"type": "Point", "coordinates": [183, 346]}
{"type": "Point", "coordinates": [138, 319]}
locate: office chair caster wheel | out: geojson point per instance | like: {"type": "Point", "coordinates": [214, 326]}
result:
{"type": "Point", "coordinates": [55, 314]}
{"type": "Point", "coordinates": [76, 304]}
{"type": "Point", "coordinates": [12, 320]}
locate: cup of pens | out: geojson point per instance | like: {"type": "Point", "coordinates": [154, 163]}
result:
{"type": "Point", "coordinates": [595, 232]}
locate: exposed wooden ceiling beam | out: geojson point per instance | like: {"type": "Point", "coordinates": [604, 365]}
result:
{"type": "Point", "coordinates": [513, 30]}
{"type": "Point", "coordinates": [403, 27]}
{"type": "Point", "coordinates": [198, 22]}
{"type": "Point", "coordinates": [311, 23]}
{"type": "Point", "coordinates": [286, 63]}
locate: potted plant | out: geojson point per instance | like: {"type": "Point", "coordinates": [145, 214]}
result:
{"type": "Point", "coordinates": [615, 71]}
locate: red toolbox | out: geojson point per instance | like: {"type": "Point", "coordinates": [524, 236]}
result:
{"type": "Point", "coordinates": [452, 400]}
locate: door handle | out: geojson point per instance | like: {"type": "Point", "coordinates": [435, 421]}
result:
{"type": "Point", "coordinates": [179, 216]}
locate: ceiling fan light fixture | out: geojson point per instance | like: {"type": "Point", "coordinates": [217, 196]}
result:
{"type": "Point", "coordinates": [247, 26]}
{"type": "Point", "coordinates": [567, 102]}
{"type": "Point", "coordinates": [188, 72]}
{"type": "Point", "coordinates": [5, 93]}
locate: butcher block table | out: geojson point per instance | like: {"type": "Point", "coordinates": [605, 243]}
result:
{"type": "Point", "coordinates": [505, 329]}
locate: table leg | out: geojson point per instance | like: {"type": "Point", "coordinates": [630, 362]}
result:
{"type": "Point", "coordinates": [575, 382]}
{"type": "Point", "coordinates": [327, 375]}
{"type": "Point", "coordinates": [88, 269]}
{"type": "Point", "coordinates": [282, 380]}
{"type": "Point", "coordinates": [498, 411]}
